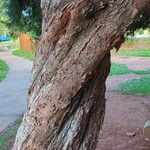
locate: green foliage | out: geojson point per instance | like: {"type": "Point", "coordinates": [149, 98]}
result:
{"type": "Point", "coordinates": [139, 86]}
{"type": "Point", "coordinates": [24, 16]}
{"type": "Point", "coordinates": [3, 70]}
{"type": "Point", "coordinates": [9, 134]}
{"type": "Point", "coordinates": [26, 55]}
{"type": "Point", "coordinates": [3, 18]}
{"type": "Point", "coordinates": [14, 44]}
{"type": "Point", "coordinates": [142, 22]}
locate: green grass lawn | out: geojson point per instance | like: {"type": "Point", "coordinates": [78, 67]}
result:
{"type": "Point", "coordinates": [133, 53]}
{"type": "Point", "coordinates": [118, 69]}
{"type": "Point", "coordinates": [3, 70]}
{"type": "Point", "coordinates": [8, 134]}
{"type": "Point", "coordinates": [140, 86]}
{"type": "Point", "coordinates": [26, 55]}
{"type": "Point", "coordinates": [121, 69]}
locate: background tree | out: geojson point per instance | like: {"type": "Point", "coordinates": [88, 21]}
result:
{"type": "Point", "coordinates": [24, 16]}
{"type": "Point", "coordinates": [66, 103]}
{"type": "Point", "coordinates": [3, 19]}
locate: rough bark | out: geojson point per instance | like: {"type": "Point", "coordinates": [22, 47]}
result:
{"type": "Point", "coordinates": [67, 96]}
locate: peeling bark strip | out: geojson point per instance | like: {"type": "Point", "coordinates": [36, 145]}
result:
{"type": "Point", "coordinates": [67, 96]}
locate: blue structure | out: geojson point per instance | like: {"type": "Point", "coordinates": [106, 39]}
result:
{"type": "Point", "coordinates": [4, 38]}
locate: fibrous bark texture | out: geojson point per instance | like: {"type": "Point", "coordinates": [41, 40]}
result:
{"type": "Point", "coordinates": [66, 102]}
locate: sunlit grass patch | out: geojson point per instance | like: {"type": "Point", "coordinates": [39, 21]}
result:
{"type": "Point", "coordinates": [23, 54]}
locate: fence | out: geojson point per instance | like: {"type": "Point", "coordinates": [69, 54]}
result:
{"type": "Point", "coordinates": [26, 43]}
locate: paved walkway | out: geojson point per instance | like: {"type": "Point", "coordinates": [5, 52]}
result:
{"type": "Point", "coordinates": [13, 90]}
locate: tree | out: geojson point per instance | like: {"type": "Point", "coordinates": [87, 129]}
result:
{"type": "Point", "coordinates": [66, 103]}
{"type": "Point", "coordinates": [3, 19]}
{"type": "Point", "coordinates": [24, 16]}
{"type": "Point", "coordinates": [142, 22]}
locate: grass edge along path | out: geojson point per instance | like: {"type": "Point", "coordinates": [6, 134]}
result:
{"type": "Point", "coordinates": [3, 70]}
{"type": "Point", "coordinates": [26, 55]}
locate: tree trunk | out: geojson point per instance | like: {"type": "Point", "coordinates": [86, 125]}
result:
{"type": "Point", "coordinates": [66, 101]}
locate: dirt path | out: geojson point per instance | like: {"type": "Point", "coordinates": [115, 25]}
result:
{"type": "Point", "coordinates": [125, 113]}
{"type": "Point", "coordinates": [13, 90]}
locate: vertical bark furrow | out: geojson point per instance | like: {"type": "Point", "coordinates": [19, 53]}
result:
{"type": "Point", "coordinates": [89, 109]}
